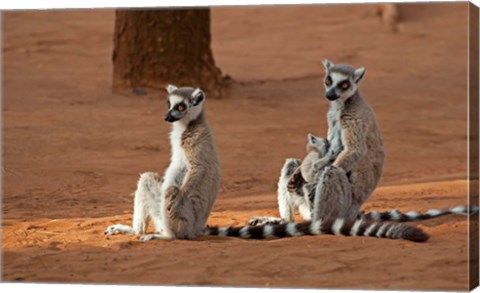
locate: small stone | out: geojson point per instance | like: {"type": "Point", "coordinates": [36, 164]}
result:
{"type": "Point", "coordinates": [139, 91]}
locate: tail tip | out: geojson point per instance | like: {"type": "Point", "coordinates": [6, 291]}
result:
{"type": "Point", "coordinates": [416, 235]}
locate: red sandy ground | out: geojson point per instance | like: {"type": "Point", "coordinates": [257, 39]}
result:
{"type": "Point", "coordinates": [72, 150]}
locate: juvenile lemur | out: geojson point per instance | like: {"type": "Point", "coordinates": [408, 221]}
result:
{"type": "Point", "coordinates": [355, 149]}
{"type": "Point", "coordinates": [180, 203]}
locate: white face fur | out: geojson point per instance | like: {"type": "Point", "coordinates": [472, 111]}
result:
{"type": "Point", "coordinates": [340, 86]}
{"type": "Point", "coordinates": [184, 104]}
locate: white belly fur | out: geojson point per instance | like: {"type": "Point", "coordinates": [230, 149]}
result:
{"type": "Point", "coordinates": [178, 164]}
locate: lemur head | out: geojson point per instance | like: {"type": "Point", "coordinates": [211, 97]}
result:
{"type": "Point", "coordinates": [317, 148]}
{"type": "Point", "coordinates": [184, 104]}
{"type": "Point", "coordinates": [341, 80]}
{"type": "Point", "coordinates": [317, 144]}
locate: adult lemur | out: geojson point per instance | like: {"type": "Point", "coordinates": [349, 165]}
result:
{"type": "Point", "coordinates": [354, 163]}
{"type": "Point", "coordinates": [180, 203]}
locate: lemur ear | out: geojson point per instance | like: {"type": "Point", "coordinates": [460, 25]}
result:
{"type": "Point", "coordinates": [197, 97]}
{"type": "Point", "coordinates": [358, 74]}
{"type": "Point", "coordinates": [327, 64]}
{"type": "Point", "coordinates": [312, 139]}
{"type": "Point", "coordinates": [170, 88]}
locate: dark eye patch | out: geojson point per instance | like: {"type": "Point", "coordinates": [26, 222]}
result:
{"type": "Point", "coordinates": [180, 107]}
{"type": "Point", "coordinates": [328, 81]}
{"type": "Point", "coordinates": [344, 85]}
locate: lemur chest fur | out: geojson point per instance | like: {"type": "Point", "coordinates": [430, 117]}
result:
{"type": "Point", "coordinates": [334, 135]}
{"type": "Point", "coordinates": [179, 165]}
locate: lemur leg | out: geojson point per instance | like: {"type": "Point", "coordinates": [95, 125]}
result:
{"type": "Point", "coordinates": [146, 204]}
{"type": "Point", "coordinates": [363, 185]}
{"type": "Point", "coordinates": [305, 211]}
{"type": "Point", "coordinates": [333, 197]}
{"type": "Point", "coordinates": [306, 207]}
{"type": "Point", "coordinates": [180, 212]}
{"type": "Point", "coordinates": [286, 199]}
{"type": "Point", "coordinates": [157, 236]}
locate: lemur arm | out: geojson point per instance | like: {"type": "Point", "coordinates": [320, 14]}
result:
{"type": "Point", "coordinates": [354, 143]}
{"type": "Point", "coordinates": [319, 164]}
{"type": "Point", "coordinates": [194, 178]}
{"type": "Point", "coordinates": [175, 196]}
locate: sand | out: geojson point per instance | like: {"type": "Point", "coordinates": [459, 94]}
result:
{"type": "Point", "coordinates": [72, 150]}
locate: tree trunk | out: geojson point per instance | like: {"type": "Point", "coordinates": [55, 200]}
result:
{"type": "Point", "coordinates": [156, 47]}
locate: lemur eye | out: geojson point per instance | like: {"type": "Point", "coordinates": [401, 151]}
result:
{"type": "Point", "coordinates": [344, 85]}
{"type": "Point", "coordinates": [328, 82]}
{"type": "Point", "coordinates": [180, 107]}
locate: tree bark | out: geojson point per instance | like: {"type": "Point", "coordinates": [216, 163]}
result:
{"type": "Point", "coordinates": [156, 47]}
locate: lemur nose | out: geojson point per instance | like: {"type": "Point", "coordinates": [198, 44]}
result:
{"type": "Point", "coordinates": [169, 117]}
{"type": "Point", "coordinates": [331, 95]}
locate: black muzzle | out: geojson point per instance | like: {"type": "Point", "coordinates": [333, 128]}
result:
{"type": "Point", "coordinates": [332, 96]}
{"type": "Point", "coordinates": [170, 118]}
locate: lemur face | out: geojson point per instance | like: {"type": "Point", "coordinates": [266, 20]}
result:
{"type": "Point", "coordinates": [341, 81]}
{"type": "Point", "coordinates": [317, 148]}
{"type": "Point", "coordinates": [184, 104]}
{"type": "Point", "coordinates": [317, 144]}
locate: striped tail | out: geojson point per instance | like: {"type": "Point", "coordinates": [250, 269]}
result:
{"type": "Point", "coordinates": [395, 215]}
{"type": "Point", "coordinates": [360, 227]}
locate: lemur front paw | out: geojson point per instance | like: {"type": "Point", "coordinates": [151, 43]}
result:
{"type": "Point", "coordinates": [320, 164]}
{"type": "Point", "coordinates": [118, 229]}
{"type": "Point", "coordinates": [173, 198]}
{"type": "Point", "coordinates": [335, 167]}
{"type": "Point", "coordinates": [172, 192]}
{"type": "Point", "coordinates": [149, 237]}
{"type": "Point", "coordinates": [336, 172]}
{"type": "Point", "coordinates": [157, 236]}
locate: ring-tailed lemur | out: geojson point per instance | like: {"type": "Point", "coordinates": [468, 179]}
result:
{"type": "Point", "coordinates": [303, 179]}
{"type": "Point", "coordinates": [352, 167]}
{"type": "Point", "coordinates": [180, 203]}
{"type": "Point", "coordinates": [302, 183]}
